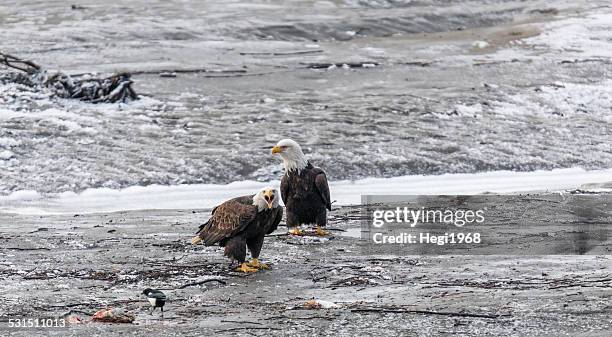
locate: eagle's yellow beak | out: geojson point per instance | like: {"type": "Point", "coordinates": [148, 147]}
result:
{"type": "Point", "coordinates": [276, 149]}
{"type": "Point", "coordinates": [269, 197]}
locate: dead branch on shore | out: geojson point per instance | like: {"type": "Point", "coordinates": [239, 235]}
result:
{"type": "Point", "coordinates": [298, 52]}
{"type": "Point", "coordinates": [189, 71]}
{"type": "Point", "coordinates": [340, 65]}
{"type": "Point", "coordinates": [14, 62]}
{"type": "Point", "coordinates": [429, 312]}
{"type": "Point", "coordinates": [354, 281]}
{"type": "Point", "coordinates": [329, 318]}
{"type": "Point", "coordinates": [198, 283]}
{"type": "Point", "coordinates": [244, 74]}
{"type": "Point", "coordinates": [240, 322]}
{"type": "Point", "coordinates": [247, 327]}
{"type": "Point", "coordinates": [519, 284]}
{"type": "Point", "coordinates": [307, 233]}
{"type": "Point", "coordinates": [85, 304]}
{"type": "Point", "coordinates": [71, 305]}
{"type": "Point", "coordinates": [85, 87]}
{"type": "Point", "coordinates": [75, 311]}
{"type": "Point", "coordinates": [116, 88]}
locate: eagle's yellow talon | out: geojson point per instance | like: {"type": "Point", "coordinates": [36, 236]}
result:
{"type": "Point", "coordinates": [244, 268]}
{"type": "Point", "coordinates": [296, 231]}
{"type": "Point", "coordinates": [321, 232]}
{"type": "Point", "coordinates": [256, 264]}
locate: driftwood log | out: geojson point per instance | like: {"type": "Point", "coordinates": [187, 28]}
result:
{"type": "Point", "coordinates": [85, 87]}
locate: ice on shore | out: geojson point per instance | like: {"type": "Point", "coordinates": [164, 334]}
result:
{"type": "Point", "coordinates": [204, 196]}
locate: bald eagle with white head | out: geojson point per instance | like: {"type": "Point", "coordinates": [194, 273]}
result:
{"type": "Point", "coordinates": [304, 189]}
{"type": "Point", "coordinates": [240, 223]}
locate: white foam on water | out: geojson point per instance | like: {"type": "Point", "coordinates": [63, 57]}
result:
{"type": "Point", "coordinates": [582, 37]}
{"type": "Point", "coordinates": [202, 196]}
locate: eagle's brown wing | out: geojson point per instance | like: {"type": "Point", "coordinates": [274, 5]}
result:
{"type": "Point", "coordinates": [277, 215]}
{"type": "Point", "coordinates": [323, 187]}
{"type": "Point", "coordinates": [284, 188]}
{"type": "Point", "coordinates": [227, 220]}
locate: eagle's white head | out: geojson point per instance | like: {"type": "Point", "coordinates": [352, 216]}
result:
{"type": "Point", "coordinates": [266, 198]}
{"type": "Point", "coordinates": [292, 155]}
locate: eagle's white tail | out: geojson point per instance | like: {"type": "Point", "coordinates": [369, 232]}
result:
{"type": "Point", "coordinates": [196, 239]}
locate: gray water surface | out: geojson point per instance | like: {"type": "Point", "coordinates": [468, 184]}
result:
{"type": "Point", "coordinates": [430, 87]}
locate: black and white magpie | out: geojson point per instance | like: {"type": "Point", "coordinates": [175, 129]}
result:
{"type": "Point", "coordinates": [156, 298]}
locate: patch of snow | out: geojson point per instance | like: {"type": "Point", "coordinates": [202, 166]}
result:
{"type": "Point", "coordinates": [327, 304]}
{"type": "Point", "coordinates": [7, 142]}
{"type": "Point", "coordinates": [23, 196]}
{"type": "Point", "coordinates": [562, 99]}
{"type": "Point", "coordinates": [480, 44]}
{"type": "Point", "coordinates": [580, 37]}
{"type": "Point", "coordinates": [469, 110]}
{"type": "Point", "coordinates": [206, 196]}
{"type": "Point", "coordinates": [268, 100]}
{"type": "Point", "coordinates": [6, 155]}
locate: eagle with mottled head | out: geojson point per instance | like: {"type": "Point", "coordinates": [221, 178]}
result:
{"type": "Point", "coordinates": [240, 223]}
